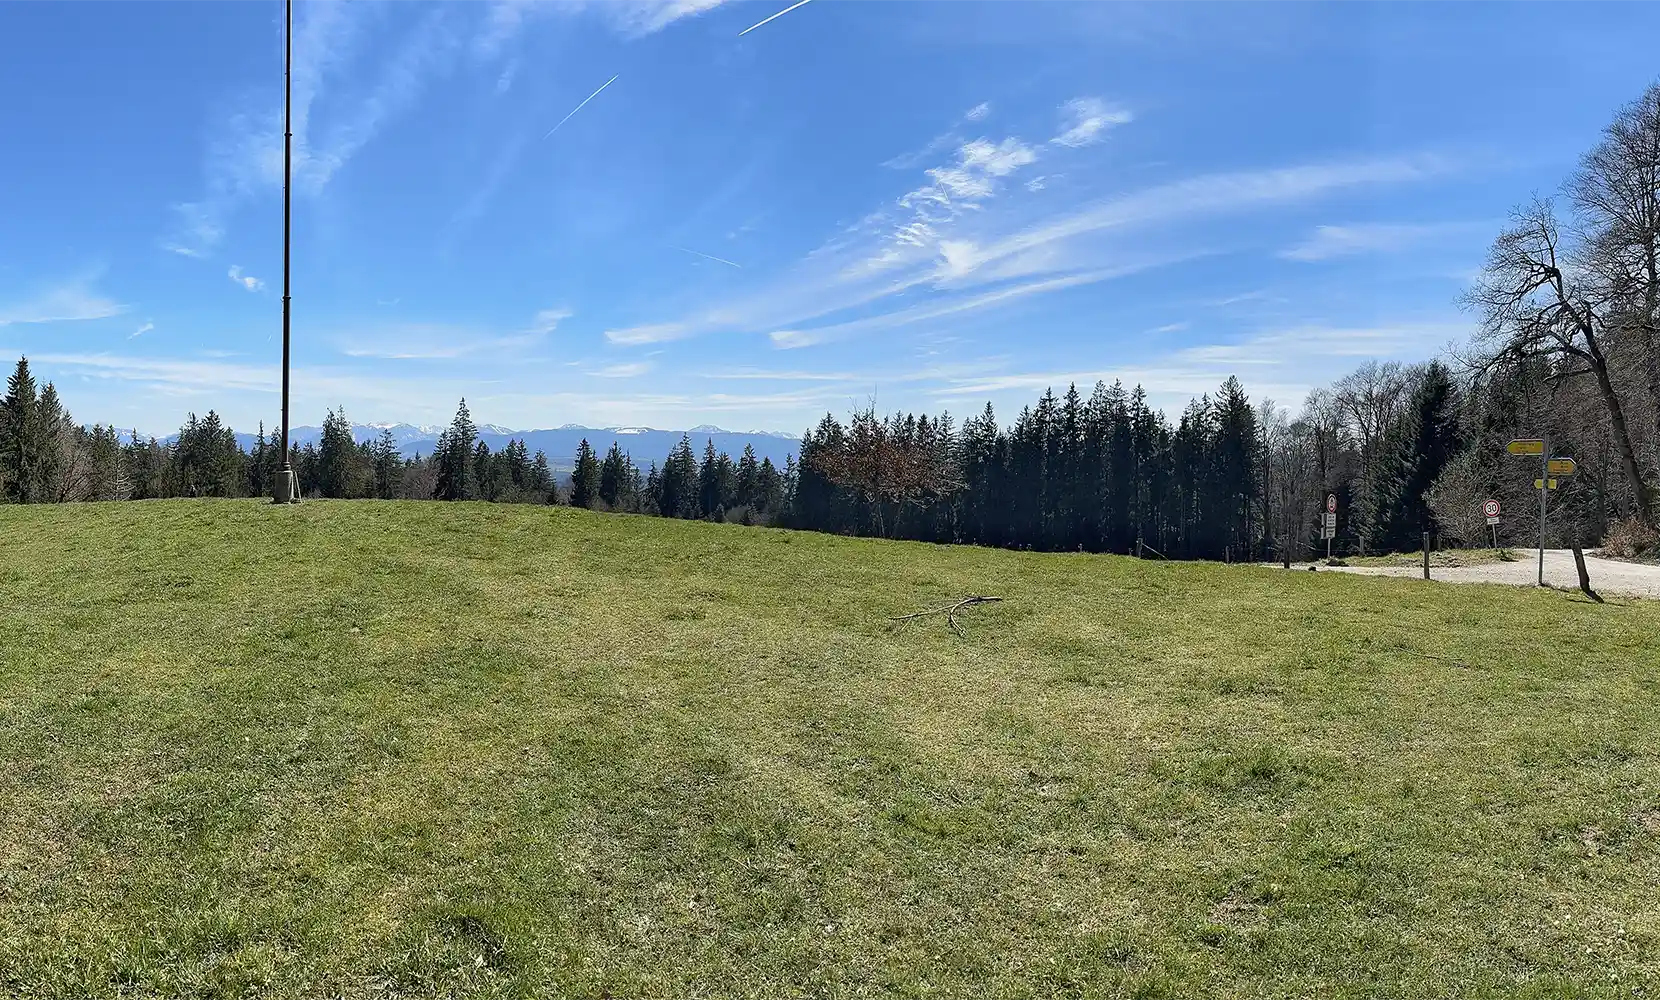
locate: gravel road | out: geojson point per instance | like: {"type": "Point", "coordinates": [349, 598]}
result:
{"type": "Point", "coordinates": [1608, 576]}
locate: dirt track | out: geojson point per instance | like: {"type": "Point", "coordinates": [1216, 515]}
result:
{"type": "Point", "coordinates": [1608, 576]}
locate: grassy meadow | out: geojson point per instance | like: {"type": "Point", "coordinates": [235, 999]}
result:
{"type": "Point", "coordinates": [365, 749]}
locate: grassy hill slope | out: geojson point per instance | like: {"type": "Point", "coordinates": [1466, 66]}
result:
{"type": "Point", "coordinates": [368, 749]}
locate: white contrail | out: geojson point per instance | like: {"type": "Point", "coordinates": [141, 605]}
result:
{"type": "Point", "coordinates": [710, 256]}
{"type": "Point", "coordinates": [781, 13]}
{"type": "Point", "coordinates": [579, 107]}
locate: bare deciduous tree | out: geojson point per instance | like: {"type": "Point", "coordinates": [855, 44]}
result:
{"type": "Point", "coordinates": [1616, 194]}
{"type": "Point", "coordinates": [1535, 301]}
{"type": "Point", "coordinates": [1456, 498]}
{"type": "Point", "coordinates": [1292, 480]}
{"type": "Point", "coordinates": [1371, 397]}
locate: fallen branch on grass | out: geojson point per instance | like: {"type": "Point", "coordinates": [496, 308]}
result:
{"type": "Point", "coordinates": [949, 611]}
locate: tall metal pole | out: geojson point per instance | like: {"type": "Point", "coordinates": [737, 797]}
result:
{"type": "Point", "coordinates": [287, 491]}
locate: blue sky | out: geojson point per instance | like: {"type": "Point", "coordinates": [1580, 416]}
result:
{"type": "Point", "coordinates": [936, 204]}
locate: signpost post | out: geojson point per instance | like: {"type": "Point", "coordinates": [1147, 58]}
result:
{"type": "Point", "coordinates": [1544, 467]}
{"type": "Point", "coordinates": [1328, 523]}
{"type": "Point", "coordinates": [1549, 468]}
{"type": "Point", "coordinates": [1491, 509]}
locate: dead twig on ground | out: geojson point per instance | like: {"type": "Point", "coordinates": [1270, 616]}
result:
{"type": "Point", "coordinates": [949, 611]}
{"type": "Point", "coordinates": [1445, 659]}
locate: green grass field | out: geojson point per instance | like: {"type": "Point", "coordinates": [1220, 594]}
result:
{"type": "Point", "coordinates": [391, 749]}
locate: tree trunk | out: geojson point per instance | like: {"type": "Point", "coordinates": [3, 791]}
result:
{"type": "Point", "coordinates": [1622, 440]}
{"type": "Point", "coordinates": [1651, 344]}
{"type": "Point", "coordinates": [1584, 577]}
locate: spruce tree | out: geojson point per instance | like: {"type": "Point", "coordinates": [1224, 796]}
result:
{"type": "Point", "coordinates": [488, 478]}
{"type": "Point", "coordinates": [708, 483]}
{"type": "Point", "coordinates": [334, 456]}
{"type": "Point", "coordinates": [769, 490]}
{"type": "Point", "coordinates": [256, 464]}
{"type": "Point", "coordinates": [612, 478]}
{"type": "Point", "coordinates": [1419, 446]}
{"type": "Point", "coordinates": [633, 485]}
{"type": "Point", "coordinates": [454, 458]}
{"type": "Point", "coordinates": [387, 464]}
{"type": "Point", "coordinates": [678, 494]}
{"type": "Point", "coordinates": [585, 477]}
{"type": "Point", "coordinates": [541, 478]}
{"type": "Point", "coordinates": [653, 493]}
{"type": "Point", "coordinates": [55, 441]}
{"type": "Point", "coordinates": [749, 479]}
{"type": "Point", "coordinates": [20, 437]}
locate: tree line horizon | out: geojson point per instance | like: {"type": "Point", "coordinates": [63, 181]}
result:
{"type": "Point", "coordinates": [1568, 348]}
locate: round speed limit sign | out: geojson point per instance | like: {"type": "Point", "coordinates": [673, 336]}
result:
{"type": "Point", "coordinates": [1490, 508]}
{"type": "Point", "coordinates": [1331, 503]}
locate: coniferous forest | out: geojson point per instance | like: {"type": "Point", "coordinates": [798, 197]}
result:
{"type": "Point", "coordinates": [1566, 315]}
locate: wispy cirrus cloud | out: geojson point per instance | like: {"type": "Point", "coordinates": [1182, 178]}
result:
{"type": "Point", "coordinates": [506, 20]}
{"type": "Point", "coordinates": [357, 69]}
{"type": "Point", "coordinates": [950, 307]}
{"type": "Point", "coordinates": [971, 243]}
{"type": "Point", "coordinates": [627, 369]}
{"type": "Point", "coordinates": [1282, 363]}
{"type": "Point", "coordinates": [247, 281]}
{"type": "Point", "coordinates": [1206, 196]}
{"type": "Point", "coordinates": [651, 333]}
{"type": "Point", "coordinates": [67, 302]}
{"type": "Point", "coordinates": [423, 395]}
{"type": "Point", "coordinates": [146, 328]}
{"type": "Point", "coordinates": [1087, 118]}
{"type": "Point", "coordinates": [548, 320]}
{"type": "Point", "coordinates": [954, 188]}
{"type": "Point", "coordinates": [444, 342]}
{"type": "Point", "coordinates": [1328, 242]}
{"type": "Point", "coordinates": [432, 342]}
{"type": "Point", "coordinates": [345, 90]}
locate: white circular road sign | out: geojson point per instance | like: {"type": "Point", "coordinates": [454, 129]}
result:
{"type": "Point", "coordinates": [1490, 508]}
{"type": "Point", "coordinates": [1331, 503]}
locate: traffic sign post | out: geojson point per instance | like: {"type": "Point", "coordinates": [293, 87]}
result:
{"type": "Point", "coordinates": [1491, 509]}
{"type": "Point", "coordinates": [1328, 523]}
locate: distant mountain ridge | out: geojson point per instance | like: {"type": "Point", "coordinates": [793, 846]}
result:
{"type": "Point", "coordinates": [644, 444]}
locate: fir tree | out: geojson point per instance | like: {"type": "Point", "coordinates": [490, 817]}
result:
{"type": "Point", "coordinates": [749, 479]}
{"type": "Point", "coordinates": [454, 458]}
{"type": "Point", "coordinates": [334, 456]}
{"type": "Point", "coordinates": [541, 479]}
{"type": "Point", "coordinates": [613, 478]}
{"type": "Point", "coordinates": [21, 438]}
{"type": "Point", "coordinates": [769, 490]}
{"type": "Point", "coordinates": [585, 477]}
{"type": "Point", "coordinates": [678, 494]}
{"type": "Point", "coordinates": [388, 466]}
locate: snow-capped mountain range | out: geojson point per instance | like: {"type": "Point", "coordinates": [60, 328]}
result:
{"type": "Point", "coordinates": [644, 444]}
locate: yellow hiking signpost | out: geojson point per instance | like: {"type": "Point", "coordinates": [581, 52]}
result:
{"type": "Point", "coordinates": [1549, 469]}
